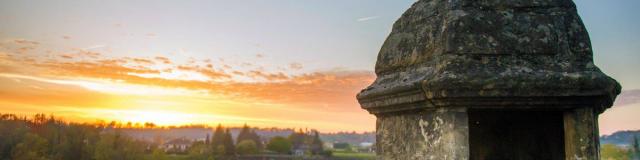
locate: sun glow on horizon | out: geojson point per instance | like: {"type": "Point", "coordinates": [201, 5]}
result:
{"type": "Point", "coordinates": [90, 99]}
{"type": "Point", "coordinates": [162, 118]}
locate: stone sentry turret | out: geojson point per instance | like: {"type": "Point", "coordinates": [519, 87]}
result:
{"type": "Point", "coordinates": [488, 79]}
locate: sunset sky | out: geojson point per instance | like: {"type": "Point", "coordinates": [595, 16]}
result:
{"type": "Point", "coordinates": [285, 63]}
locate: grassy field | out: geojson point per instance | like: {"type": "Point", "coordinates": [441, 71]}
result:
{"type": "Point", "coordinates": [353, 155]}
{"type": "Point", "coordinates": [337, 155]}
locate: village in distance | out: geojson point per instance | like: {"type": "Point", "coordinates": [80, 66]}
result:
{"type": "Point", "coordinates": [42, 137]}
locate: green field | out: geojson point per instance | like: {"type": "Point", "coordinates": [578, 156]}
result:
{"type": "Point", "coordinates": [353, 155]}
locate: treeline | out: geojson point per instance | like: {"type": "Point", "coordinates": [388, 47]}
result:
{"type": "Point", "coordinates": [248, 142]}
{"type": "Point", "coordinates": [47, 138]}
{"type": "Point", "coordinates": [43, 137]}
{"type": "Point", "coordinates": [613, 152]}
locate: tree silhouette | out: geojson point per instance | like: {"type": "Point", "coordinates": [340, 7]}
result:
{"type": "Point", "coordinates": [207, 139]}
{"type": "Point", "coordinates": [229, 148]}
{"type": "Point", "coordinates": [248, 134]}
{"type": "Point", "coordinates": [636, 147]}
{"type": "Point", "coordinates": [246, 147]}
{"type": "Point", "coordinates": [217, 141]}
{"type": "Point", "coordinates": [279, 145]}
{"type": "Point", "coordinates": [316, 143]}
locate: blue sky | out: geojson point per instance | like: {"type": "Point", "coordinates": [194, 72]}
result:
{"type": "Point", "coordinates": [614, 27]}
{"type": "Point", "coordinates": [320, 34]}
{"type": "Point", "coordinates": [325, 49]}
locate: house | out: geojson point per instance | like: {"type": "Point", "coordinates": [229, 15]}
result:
{"type": "Point", "coordinates": [366, 147]}
{"type": "Point", "coordinates": [177, 145]}
{"type": "Point", "coordinates": [327, 145]}
{"type": "Point", "coordinates": [301, 150]}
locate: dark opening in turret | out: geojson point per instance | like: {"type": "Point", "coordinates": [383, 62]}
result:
{"type": "Point", "coordinates": [521, 135]}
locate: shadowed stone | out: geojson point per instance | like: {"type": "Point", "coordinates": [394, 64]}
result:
{"type": "Point", "coordinates": [446, 60]}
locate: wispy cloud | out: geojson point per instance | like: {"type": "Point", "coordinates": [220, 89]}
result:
{"type": "Point", "coordinates": [90, 79]}
{"type": "Point", "coordinates": [367, 18]}
{"type": "Point", "coordinates": [94, 47]}
{"type": "Point", "coordinates": [162, 59]}
{"type": "Point", "coordinates": [258, 84]}
{"type": "Point", "coordinates": [628, 97]}
{"type": "Point", "coordinates": [40, 91]}
{"type": "Point", "coordinates": [25, 42]}
{"type": "Point", "coordinates": [295, 66]}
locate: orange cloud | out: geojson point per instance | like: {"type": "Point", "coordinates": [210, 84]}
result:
{"type": "Point", "coordinates": [67, 56]}
{"type": "Point", "coordinates": [238, 73]}
{"type": "Point", "coordinates": [211, 73]}
{"type": "Point", "coordinates": [164, 60]}
{"type": "Point", "coordinates": [320, 87]}
{"type": "Point", "coordinates": [142, 61]}
{"type": "Point", "coordinates": [333, 90]}
{"type": "Point", "coordinates": [89, 54]}
{"type": "Point", "coordinates": [255, 74]}
{"type": "Point", "coordinates": [34, 92]}
{"type": "Point", "coordinates": [295, 66]}
{"type": "Point", "coordinates": [25, 42]}
{"type": "Point", "coordinates": [101, 69]}
{"type": "Point", "coordinates": [25, 49]}
{"type": "Point", "coordinates": [246, 64]}
{"type": "Point", "coordinates": [322, 100]}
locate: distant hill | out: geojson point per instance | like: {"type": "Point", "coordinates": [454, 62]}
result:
{"type": "Point", "coordinates": [196, 133]}
{"type": "Point", "coordinates": [199, 133]}
{"type": "Point", "coordinates": [620, 138]}
{"type": "Point", "coordinates": [349, 137]}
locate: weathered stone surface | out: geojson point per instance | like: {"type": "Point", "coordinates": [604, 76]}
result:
{"type": "Point", "coordinates": [444, 52]}
{"type": "Point", "coordinates": [581, 134]}
{"type": "Point", "coordinates": [448, 65]}
{"type": "Point", "coordinates": [433, 134]}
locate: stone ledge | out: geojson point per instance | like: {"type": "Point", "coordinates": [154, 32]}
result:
{"type": "Point", "coordinates": [518, 91]}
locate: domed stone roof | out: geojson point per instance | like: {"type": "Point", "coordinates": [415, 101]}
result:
{"type": "Point", "coordinates": [488, 53]}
